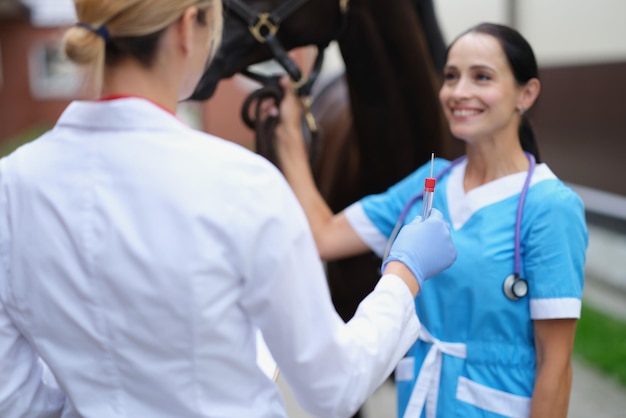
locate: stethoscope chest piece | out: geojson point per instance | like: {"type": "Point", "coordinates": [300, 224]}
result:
{"type": "Point", "coordinates": [515, 287]}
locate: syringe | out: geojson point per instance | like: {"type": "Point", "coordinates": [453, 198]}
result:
{"type": "Point", "coordinates": [429, 190]}
{"type": "Point", "coordinates": [427, 204]}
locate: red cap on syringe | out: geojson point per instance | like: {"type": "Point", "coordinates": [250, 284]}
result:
{"type": "Point", "coordinates": [429, 184]}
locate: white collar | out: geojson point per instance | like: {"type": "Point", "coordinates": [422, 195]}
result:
{"type": "Point", "coordinates": [119, 114]}
{"type": "Point", "coordinates": [463, 205]}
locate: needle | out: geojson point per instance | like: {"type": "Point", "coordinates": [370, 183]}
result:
{"type": "Point", "coordinates": [432, 163]}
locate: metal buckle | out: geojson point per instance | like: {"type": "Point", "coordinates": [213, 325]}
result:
{"type": "Point", "coordinates": [263, 20]}
{"type": "Point", "coordinates": [306, 103]}
{"type": "Point", "coordinates": [296, 84]}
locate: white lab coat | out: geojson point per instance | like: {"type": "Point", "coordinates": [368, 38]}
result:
{"type": "Point", "coordinates": [139, 256]}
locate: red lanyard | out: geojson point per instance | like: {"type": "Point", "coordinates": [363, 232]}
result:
{"type": "Point", "coordinates": [111, 97]}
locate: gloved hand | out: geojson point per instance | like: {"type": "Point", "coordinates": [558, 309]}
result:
{"type": "Point", "coordinates": [425, 247]}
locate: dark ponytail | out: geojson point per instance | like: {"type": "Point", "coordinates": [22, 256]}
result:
{"type": "Point", "coordinates": [527, 138]}
{"type": "Point", "coordinates": [521, 59]}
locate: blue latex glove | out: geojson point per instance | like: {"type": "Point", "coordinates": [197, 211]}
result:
{"type": "Point", "coordinates": [425, 247]}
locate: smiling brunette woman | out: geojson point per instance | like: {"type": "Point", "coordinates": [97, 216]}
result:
{"type": "Point", "coordinates": [499, 325]}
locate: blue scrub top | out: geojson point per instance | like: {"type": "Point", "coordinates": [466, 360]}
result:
{"type": "Point", "coordinates": [466, 304]}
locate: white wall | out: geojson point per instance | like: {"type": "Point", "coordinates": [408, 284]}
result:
{"type": "Point", "coordinates": [573, 31]}
{"type": "Point", "coordinates": [455, 16]}
{"type": "Point", "coordinates": [561, 31]}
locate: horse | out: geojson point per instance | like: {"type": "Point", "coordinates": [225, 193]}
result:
{"type": "Point", "coordinates": [378, 120]}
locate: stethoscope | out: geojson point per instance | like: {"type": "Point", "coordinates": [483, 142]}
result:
{"type": "Point", "coordinates": [514, 286]}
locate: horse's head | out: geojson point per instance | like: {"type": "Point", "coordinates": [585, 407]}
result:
{"type": "Point", "coordinates": [297, 23]}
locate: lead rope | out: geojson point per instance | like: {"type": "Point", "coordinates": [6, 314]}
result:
{"type": "Point", "coordinates": [265, 128]}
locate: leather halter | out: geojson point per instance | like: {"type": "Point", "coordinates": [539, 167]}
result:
{"type": "Point", "coordinates": [264, 26]}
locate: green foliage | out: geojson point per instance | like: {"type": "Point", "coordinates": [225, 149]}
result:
{"type": "Point", "coordinates": [601, 342]}
{"type": "Point", "coordinates": [7, 147]}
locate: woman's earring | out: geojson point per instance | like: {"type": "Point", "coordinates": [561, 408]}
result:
{"type": "Point", "coordinates": [522, 110]}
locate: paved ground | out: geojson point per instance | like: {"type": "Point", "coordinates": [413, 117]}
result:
{"type": "Point", "coordinates": [593, 395]}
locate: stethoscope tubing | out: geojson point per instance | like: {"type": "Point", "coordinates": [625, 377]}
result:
{"type": "Point", "coordinates": [520, 208]}
{"type": "Point", "coordinates": [518, 217]}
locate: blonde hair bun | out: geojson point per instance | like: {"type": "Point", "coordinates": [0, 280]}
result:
{"type": "Point", "coordinates": [83, 46]}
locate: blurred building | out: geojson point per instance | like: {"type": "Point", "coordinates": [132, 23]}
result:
{"type": "Point", "coordinates": [37, 81]}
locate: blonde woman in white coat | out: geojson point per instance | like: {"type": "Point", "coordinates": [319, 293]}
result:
{"type": "Point", "coordinates": [139, 257]}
